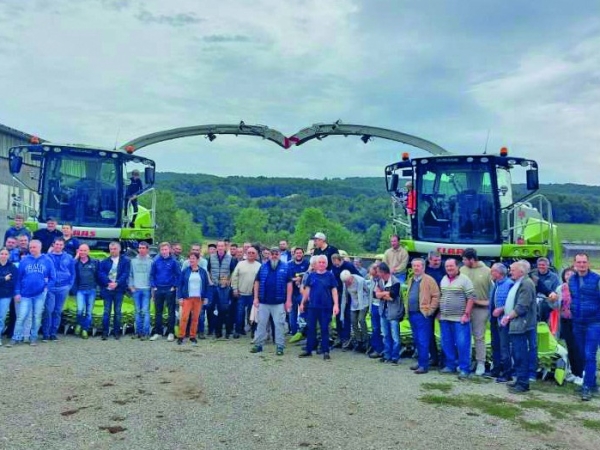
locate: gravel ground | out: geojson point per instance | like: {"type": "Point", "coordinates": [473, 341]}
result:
{"type": "Point", "coordinates": [128, 394]}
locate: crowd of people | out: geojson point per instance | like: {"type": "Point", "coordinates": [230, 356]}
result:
{"type": "Point", "coordinates": [232, 291]}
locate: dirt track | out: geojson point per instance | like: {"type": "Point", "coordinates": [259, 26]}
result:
{"type": "Point", "coordinates": [78, 394]}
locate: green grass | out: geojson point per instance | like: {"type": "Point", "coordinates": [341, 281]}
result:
{"type": "Point", "coordinates": [556, 409]}
{"type": "Point", "coordinates": [488, 404]}
{"type": "Point", "coordinates": [497, 407]}
{"type": "Point", "coordinates": [592, 424]}
{"type": "Point", "coordinates": [442, 387]}
{"type": "Point", "coordinates": [536, 427]}
{"type": "Point", "coordinates": [578, 232]}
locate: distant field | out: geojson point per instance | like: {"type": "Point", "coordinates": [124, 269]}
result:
{"type": "Point", "coordinates": [579, 232]}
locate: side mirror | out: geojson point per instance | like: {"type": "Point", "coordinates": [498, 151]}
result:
{"type": "Point", "coordinates": [15, 164]}
{"type": "Point", "coordinates": [533, 183]}
{"type": "Point", "coordinates": [394, 183]}
{"type": "Point", "coordinates": [149, 175]}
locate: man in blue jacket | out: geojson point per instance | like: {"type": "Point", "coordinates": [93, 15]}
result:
{"type": "Point", "coordinates": [64, 266]}
{"type": "Point", "coordinates": [36, 276]}
{"type": "Point", "coordinates": [584, 286]}
{"type": "Point", "coordinates": [271, 290]}
{"type": "Point", "coordinates": [113, 276]}
{"type": "Point", "coordinates": [164, 280]}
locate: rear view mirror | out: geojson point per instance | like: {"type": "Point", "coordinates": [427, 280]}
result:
{"type": "Point", "coordinates": [149, 175]}
{"type": "Point", "coordinates": [533, 183]}
{"type": "Point", "coordinates": [15, 164]}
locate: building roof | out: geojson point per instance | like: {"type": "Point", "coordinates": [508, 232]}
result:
{"type": "Point", "coordinates": [16, 133]}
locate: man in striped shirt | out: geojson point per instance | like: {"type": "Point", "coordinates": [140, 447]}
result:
{"type": "Point", "coordinates": [456, 302]}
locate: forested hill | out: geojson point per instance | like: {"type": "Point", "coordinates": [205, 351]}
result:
{"type": "Point", "coordinates": [359, 204]}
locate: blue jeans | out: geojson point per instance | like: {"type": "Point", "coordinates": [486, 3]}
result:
{"type": "Point", "coordinates": [243, 312]}
{"type": "Point", "coordinates": [456, 344]}
{"type": "Point", "coordinates": [533, 356]}
{"type": "Point", "coordinates": [322, 316]}
{"type": "Point", "coordinates": [4, 306]}
{"type": "Point", "coordinates": [85, 305]}
{"type": "Point", "coordinates": [376, 340]}
{"type": "Point", "coordinates": [421, 330]}
{"type": "Point", "coordinates": [113, 300]}
{"type": "Point", "coordinates": [520, 351]}
{"type": "Point", "coordinates": [391, 338]}
{"type": "Point", "coordinates": [141, 299]}
{"type": "Point", "coordinates": [296, 299]}
{"type": "Point", "coordinates": [29, 305]}
{"type": "Point", "coordinates": [587, 338]}
{"type": "Point", "coordinates": [55, 302]}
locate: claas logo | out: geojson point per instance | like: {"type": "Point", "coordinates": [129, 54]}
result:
{"type": "Point", "coordinates": [450, 251]}
{"type": "Point", "coordinates": [84, 233]}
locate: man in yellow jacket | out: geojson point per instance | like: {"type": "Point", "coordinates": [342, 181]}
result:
{"type": "Point", "coordinates": [423, 296]}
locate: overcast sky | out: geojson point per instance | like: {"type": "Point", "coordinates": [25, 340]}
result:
{"type": "Point", "coordinates": [105, 71]}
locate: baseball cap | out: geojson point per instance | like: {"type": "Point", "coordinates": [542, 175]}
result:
{"type": "Point", "coordinates": [275, 250]}
{"type": "Point", "coordinates": [320, 235]}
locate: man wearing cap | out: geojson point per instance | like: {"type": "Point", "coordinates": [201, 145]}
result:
{"type": "Point", "coordinates": [47, 235]}
{"type": "Point", "coordinates": [323, 248]}
{"type": "Point", "coordinates": [133, 190]}
{"type": "Point", "coordinates": [272, 298]}
{"type": "Point", "coordinates": [396, 258]}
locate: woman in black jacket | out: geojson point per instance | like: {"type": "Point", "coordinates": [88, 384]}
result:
{"type": "Point", "coordinates": [8, 277]}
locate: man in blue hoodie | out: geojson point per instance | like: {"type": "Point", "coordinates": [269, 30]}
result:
{"type": "Point", "coordinates": [585, 309]}
{"type": "Point", "coordinates": [64, 266]}
{"type": "Point", "coordinates": [36, 276]}
{"type": "Point", "coordinates": [164, 279]}
{"type": "Point", "coordinates": [113, 277]}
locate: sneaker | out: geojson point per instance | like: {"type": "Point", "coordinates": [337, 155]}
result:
{"type": "Point", "coordinates": [256, 349]}
{"type": "Point", "coordinates": [236, 335]}
{"type": "Point", "coordinates": [171, 337]}
{"type": "Point", "coordinates": [155, 337]}
{"type": "Point", "coordinates": [447, 370]}
{"type": "Point", "coordinates": [45, 338]}
{"type": "Point", "coordinates": [305, 354]}
{"type": "Point", "coordinates": [464, 375]}
{"type": "Point", "coordinates": [586, 394]}
{"type": "Point", "coordinates": [194, 341]}
{"type": "Point", "coordinates": [532, 379]}
{"type": "Point", "coordinates": [375, 355]}
{"type": "Point", "coordinates": [421, 371]}
{"type": "Point", "coordinates": [135, 336]}
{"type": "Point", "coordinates": [395, 362]}
{"type": "Point", "coordinates": [179, 341]}
{"type": "Point", "coordinates": [517, 389]}
{"type": "Point", "coordinates": [578, 381]}
{"type": "Point", "coordinates": [201, 336]}
{"type": "Point", "coordinates": [117, 337]}
{"type": "Point", "coordinates": [414, 367]}
{"type": "Point", "coordinates": [33, 343]}
{"type": "Point", "coordinates": [326, 356]}
{"type": "Point", "coordinates": [104, 337]}
{"type": "Point", "coordinates": [143, 338]}
{"type": "Point", "coordinates": [480, 369]}
{"type": "Point", "coordinates": [12, 343]}
{"type": "Point", "coordinates": [0, 342]}
{"type": "Point", "coordinates": [503, 379]}
{"type": "Point", "coordinates": [570, 378]}
{"type": "Point", "coordinates": [53, 339]}
{"type": "Point", "coordinates": [84, 334]}
{"type": "Point", "coordinates": [279, 350]}
{"type": "Point", "coordinates": [77, 330]}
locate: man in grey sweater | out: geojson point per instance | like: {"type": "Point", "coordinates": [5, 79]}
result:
{"type": "Point", "coordinates": [139, 285]}
{"type": "Point", "coordinates": [520, 315]}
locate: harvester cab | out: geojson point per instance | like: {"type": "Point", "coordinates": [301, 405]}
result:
{"type": "Point", "coordinates": [449, 203]}
{"type": "Point", "coordinates": [88, 188]}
